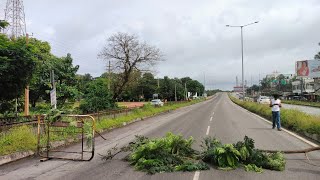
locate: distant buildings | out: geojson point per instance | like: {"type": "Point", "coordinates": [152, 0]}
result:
{"type": "Point", "coordinates": [306, 84]}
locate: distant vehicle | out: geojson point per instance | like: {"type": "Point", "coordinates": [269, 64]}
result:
{"type": "Point", "coordinates": [299, 98]}
{"type": "Point", "coordinates": [263, 100]}
{"type": "Point", "coordinates": [156, 102]}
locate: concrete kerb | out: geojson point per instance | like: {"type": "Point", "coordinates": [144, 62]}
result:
{"type": "Point", "coordinates": [15, 156]}
{"type": "Point", "coordinates": [285, 130]}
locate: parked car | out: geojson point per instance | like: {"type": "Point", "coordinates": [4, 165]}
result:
{"type": "Point", "coordinates": [263, 100]}
{"type": "Point", "coordinates": [156, 102]}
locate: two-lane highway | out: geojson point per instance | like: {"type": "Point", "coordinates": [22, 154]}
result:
{"type": "Point", "coordinates": [217, 117]}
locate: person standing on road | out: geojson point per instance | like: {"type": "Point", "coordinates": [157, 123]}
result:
{"type": "Point", "coordinates": [275, 105]}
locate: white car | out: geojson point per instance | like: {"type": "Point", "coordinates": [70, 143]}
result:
{"type": "Point", "coordinates": [156, 102]}
{"type": "Point", "coordinates": [263, 100]}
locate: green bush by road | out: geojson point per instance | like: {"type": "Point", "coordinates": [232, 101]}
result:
{"type": "Point", "coordinates": [303, 103]}
{"type": "Point", "coordinates": [291, 119]}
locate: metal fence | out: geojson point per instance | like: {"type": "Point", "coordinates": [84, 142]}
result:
{"type": "Point", "coordinates": [8, 122]}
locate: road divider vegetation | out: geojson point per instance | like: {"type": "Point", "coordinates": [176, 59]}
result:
{"type": "Point", "coordinates": [302, 103]}
{"type": "Point", "coordinates": [291, 119]}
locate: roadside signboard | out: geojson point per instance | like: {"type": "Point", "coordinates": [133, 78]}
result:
{"type": "Point", "coordinates": [53, 97]}
{"type": "Point", "coordinates": [239, 89]}
{"type": "Point", "coordinates": [308, 68]}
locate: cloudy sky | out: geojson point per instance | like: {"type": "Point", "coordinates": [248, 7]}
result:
{"type": "Point", "coordinates": [191, 34]}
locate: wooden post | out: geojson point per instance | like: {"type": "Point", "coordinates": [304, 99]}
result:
{"type": "Point", "coordinates": [26, 90]}
{"type": "Point", "coordinates": [26, 101]}
{"type": "Point", "coordinates": [38, 147]}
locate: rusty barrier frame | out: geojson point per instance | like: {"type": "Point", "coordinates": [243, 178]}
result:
{"type": "Point", "coordinates": [80, 124]}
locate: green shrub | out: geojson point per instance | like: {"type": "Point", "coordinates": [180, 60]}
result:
{"type": "Point", "coordinates": [17, 139]}
{"type": "Point", "coordinates": [98, 97]}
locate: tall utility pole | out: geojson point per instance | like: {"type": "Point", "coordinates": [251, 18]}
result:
{"type": "Point", "coordinates": [14, 15]}
{"type": "Point", "coordinates": [175, 91]}
{"type": "Point", "coordinates": [204, 83]}
{"type": "Point", "coordinates": [259, 85]}
{"type": "Point", "coordinates": [241, 27]}
{"type": "Point", "coordinates": [53, 84]}
{"type": "Point", "coordinates": [26, 90]}
{"type": "Point", "coordinates": [185, 90]}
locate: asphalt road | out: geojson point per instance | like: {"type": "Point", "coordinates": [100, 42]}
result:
{"type": "Point", "coordinates": [217, 117]}
{"type": "Point", "coordinates": [306, 109]}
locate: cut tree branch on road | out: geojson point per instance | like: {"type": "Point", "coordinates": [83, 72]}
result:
{"type": "Point", "coordinates": [127, 54]}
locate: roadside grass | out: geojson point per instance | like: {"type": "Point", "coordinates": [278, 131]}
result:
{"type": "Point", "coordinates": [17, 139]}
{"type": "Point", "coordinates": [146, 111]}
{"type": "Point", "coordinates": [23, 138]}
{"type": "Point", "coordinates": [291, 119]}
{"type": "Point", "coordinates": [303, 103]}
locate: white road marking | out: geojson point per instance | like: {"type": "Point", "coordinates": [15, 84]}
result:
{"type": "Point", "coordinates": [208, 129]}
{"type": "Point", "coordinates": [211, 119]}
{"type": "Point", "coordinates": [196, 175]}
{"type": "Point", "coordinates": [285, 130]}
{"type": "Point", "coordinates": [212, 113]}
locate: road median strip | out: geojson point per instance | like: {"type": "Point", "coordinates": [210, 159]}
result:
{"type": "Point", "coordinates": [302, 103]}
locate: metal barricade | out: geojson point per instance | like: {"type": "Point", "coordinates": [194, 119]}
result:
{"type": "Point", "coordinates": [53, 136]}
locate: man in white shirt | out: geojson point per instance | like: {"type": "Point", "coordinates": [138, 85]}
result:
{"type": "Point", "coordinates": [275, 104]}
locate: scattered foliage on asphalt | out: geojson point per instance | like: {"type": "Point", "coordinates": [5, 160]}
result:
{"type": "Point", "coordinates": [230, 156]}
{"type": "Point", "coordinates": [174, 153]}
{"type": "Point", "coordinates": [167, 154]}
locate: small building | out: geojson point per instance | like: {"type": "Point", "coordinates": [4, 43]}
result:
{"type": "Point", "coordinates": [306, 84]}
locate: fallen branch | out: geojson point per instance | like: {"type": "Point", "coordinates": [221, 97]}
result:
{"type": "Point", "coordinates": [293, 151]}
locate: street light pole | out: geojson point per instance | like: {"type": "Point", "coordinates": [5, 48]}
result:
{"type": "Point", "coordinates": [241, 28]}
{"type": "Point", "coordinates": [243, 91]}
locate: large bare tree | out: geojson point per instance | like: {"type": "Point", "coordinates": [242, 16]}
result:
{"type": "Point", "coordinates": [127, 54]}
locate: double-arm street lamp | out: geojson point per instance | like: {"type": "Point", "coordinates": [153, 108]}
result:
{"type": "Point", "coordinates": [241, 27]}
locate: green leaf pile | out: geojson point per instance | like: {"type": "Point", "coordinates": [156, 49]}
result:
{"type": "Point", "coordinates": [167, 154]}
{"type": "Point", "coordinates": [230, 156]}
{"type": "Point", "coordinates": [174, 153]}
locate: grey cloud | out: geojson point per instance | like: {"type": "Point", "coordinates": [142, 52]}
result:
{"type": "Point", "coordinates": [191, 34]}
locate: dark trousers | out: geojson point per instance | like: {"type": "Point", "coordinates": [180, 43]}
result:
{"type": "Point", "coordinates": [276, 119]}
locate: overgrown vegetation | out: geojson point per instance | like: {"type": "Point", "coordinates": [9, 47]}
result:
{"type": "Point", "coordinates": [17, 139]}
{"type": "Point", "coordinates": [174, 153]}
{"type": "Point", "coordinates": [292, 119]}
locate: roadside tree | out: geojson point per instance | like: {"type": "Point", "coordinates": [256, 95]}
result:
{"type": "Point", "coordinates": [128, 54]}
